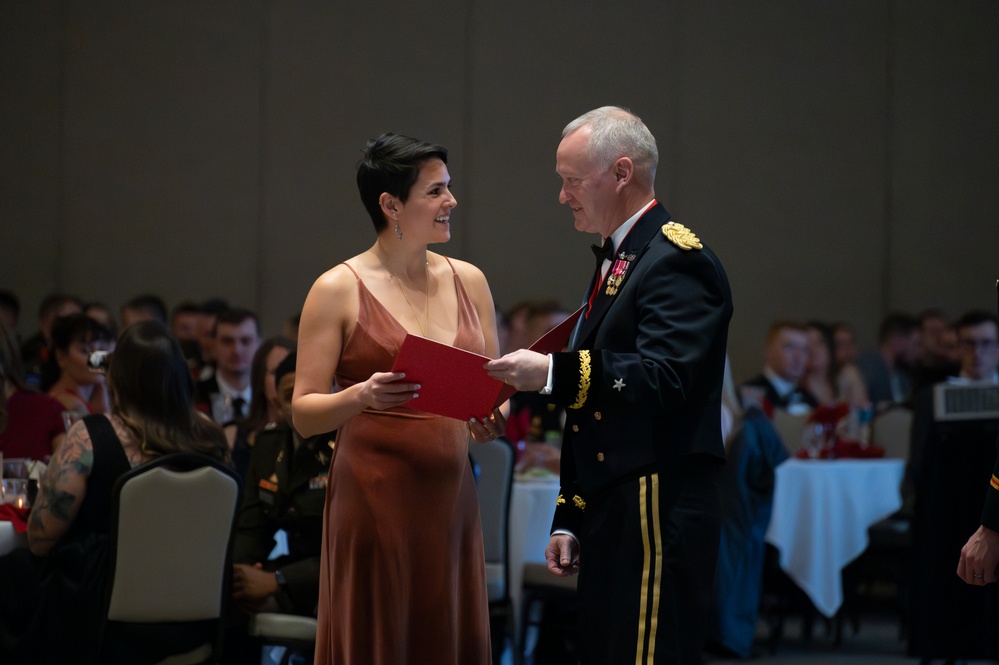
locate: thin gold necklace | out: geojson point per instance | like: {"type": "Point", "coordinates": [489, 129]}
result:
{"type": "Point", "coordinates": [426, 314]}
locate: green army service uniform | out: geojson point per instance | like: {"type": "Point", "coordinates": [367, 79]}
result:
{"type": "Point", "coordinates": [285, 488]}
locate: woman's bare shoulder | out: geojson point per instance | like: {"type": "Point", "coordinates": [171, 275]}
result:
{"type": "Point", "coordinates": [336, 286]}
{"type": "Point", "coordinates": [469, 273]}
{"type": "Point", "coordinates": [338, 278]}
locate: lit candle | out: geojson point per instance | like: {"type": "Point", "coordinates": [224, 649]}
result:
{"type": "Point", "coordinates": [20, 502]}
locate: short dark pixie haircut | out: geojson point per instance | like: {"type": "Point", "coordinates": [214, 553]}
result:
{"type": "Point", "coordinates": [392, 164]}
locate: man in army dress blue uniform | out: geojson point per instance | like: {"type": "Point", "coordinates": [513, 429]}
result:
{"type": "Point", "coordinates": [639, 511]}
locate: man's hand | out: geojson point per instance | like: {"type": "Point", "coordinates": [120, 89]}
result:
{"type": "Point", "coordinates": [980, 557]}
{"type": "Point", "coordinates": [562, 555]}
{"type": "Point", "coordinates": [252, 586]}
{"type": "Point", "coordinates": [522, 369]}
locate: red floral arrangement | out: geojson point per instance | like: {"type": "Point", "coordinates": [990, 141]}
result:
{"type": "Point", "coordinates": [830, 423]}
{"type": "Point", "coordinates": [829, 416]}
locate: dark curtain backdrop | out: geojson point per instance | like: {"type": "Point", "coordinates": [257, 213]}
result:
{"type": "Point", "coordinates": [841, 158]}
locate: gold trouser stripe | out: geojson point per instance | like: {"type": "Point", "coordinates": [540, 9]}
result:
{"type": "Point", "coordinates": [651, 570]}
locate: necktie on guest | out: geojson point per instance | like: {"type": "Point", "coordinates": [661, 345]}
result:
{"type": "Point", "coordinates": [237, 408]}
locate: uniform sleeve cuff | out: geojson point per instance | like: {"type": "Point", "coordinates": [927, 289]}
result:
{"type": "Point", "coordinates": [547, 390]}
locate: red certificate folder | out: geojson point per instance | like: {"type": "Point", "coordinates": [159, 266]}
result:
{"type": "Point", "coordinates": [453, 382]}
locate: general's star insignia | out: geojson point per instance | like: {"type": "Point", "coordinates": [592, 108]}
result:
{"type": "Point", "coordinates": [681, 236]}
{"type": "Point", "coordinates": [619, 384]}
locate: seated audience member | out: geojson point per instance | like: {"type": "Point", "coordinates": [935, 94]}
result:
{"type": "Point", "coordinates": [10, 310]}
{"type": "Point", "coordinates": [210, 310]}
{"type": "Point", "coordinates": [289, 329]}
{"type": "Point", "coordinates": [79, 389]}
{"type": "Point", "coordinates": [226, 395]}
{"type": "Point", "coordinates": [185, 324]}
{"type": "Point", "coordinates": [502, 329]}
{"type": "Point", "coordinates": [844, 343]}
{"type": "Point", "coordinates": [516, 318]}
{"type": "Point", "coordinates": [59, 621]}
{"type": "Point", "coordinates": [978, 346]}
{"type": "Point", "coordinates": [285, 489]}
{"type": "Point", "coordinates": [264, 404]}
{"type": "Point", "coordinates": [820, 369]}
{"type": "Point", "coordinates": [825, 379]}
{"type": "Point", "coordinates": [887, 371]}
{"type": "Point", "coordinates": [533, 417]}
{"type": "Point", "coordinates": [101, 313]}
{"type": "Point", "coordinates": [785, 359]}
{"type": "Point", "coordinates": [31, 424]}
{"type": "Point", "coordinates": [145, 307]}
{"type": "Point", "coordinates": [542, 317]}
{"type": "Point", "coordinates": [937, 350]}
{"type": "Point", "coordinates": [35, 350]}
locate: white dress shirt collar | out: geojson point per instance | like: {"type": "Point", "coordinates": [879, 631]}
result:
{"type": "Point", "coordinates": [233, 393]}
{"type": "Point", "coordinates": [780, 384]}
{"type": "Point", "coordinates": [621, 232]}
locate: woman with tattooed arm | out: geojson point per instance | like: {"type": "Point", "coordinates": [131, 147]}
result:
{"type": "Point", "coordinates": [152, 414]}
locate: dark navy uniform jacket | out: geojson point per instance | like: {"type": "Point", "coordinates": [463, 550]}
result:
{"type": "Point", "coordinates": [642, 382]}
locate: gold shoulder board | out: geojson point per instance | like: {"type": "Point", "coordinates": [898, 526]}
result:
{"type": "Point", "coordinates": [681, 236]}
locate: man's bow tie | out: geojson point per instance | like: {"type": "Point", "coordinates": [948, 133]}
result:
{"type": "Point", "coordinates": [605, 251]}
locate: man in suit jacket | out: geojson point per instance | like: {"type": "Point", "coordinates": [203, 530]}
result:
{"type": "Point", "coordinates": [785, 362]}
{"type": "Point", "coordinates": [638, 514]}
{"type": "Point", "coordinates": [226, 395]}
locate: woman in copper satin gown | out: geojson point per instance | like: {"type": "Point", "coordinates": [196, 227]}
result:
{"type": "Point", "coordinates": [403, 572]}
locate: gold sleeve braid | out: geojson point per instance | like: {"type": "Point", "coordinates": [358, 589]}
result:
{"type": "Point", "coordinates": [584, 380]}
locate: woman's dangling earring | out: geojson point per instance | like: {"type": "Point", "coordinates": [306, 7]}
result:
{"type": "Point", "coordinates": [398, 231]}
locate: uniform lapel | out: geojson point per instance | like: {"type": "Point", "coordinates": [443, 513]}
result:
{"type": "Point", "coordinates": [632, 249]}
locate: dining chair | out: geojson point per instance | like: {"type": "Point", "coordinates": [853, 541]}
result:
{"type": "Point", "coordinates": [892, 430]}
{"type": "Point", "coordinates": [294, 632]}
{"type": "Point", "coordinates": [790, 427]}
{"type": "Point", "coordinates": [495, 484]}
{"type": "Point", "coordinates": [169, 567]}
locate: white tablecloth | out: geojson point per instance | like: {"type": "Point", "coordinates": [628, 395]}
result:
{"type": "Point", "coordinates": [10, 539]}
{"type": "Point", "coordinates": [532, 505]}
{"type": "Point", "coordinates": [822, 510]}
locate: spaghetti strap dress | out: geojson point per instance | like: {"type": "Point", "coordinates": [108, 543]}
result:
{"type": "Point", "coordinates": [402, 578]}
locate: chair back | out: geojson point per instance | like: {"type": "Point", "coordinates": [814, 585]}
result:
{"type": "Point", "coordinates": [892, 430]}
{"type": "Point", "coordinates": [790, 427]}
{"type": "Point", "coordinates": [171, 529]}
{"type": "Point", "coordinates": [495, 461]}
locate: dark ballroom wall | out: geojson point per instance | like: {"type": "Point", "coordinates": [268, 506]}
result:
{"type": "Point", "coordinates": [841, 158]}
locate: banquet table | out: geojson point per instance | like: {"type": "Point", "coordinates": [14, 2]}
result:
{"type": "Point", "coordinates": [822, 510]}
{"type": "Point", "coordinates": [532, 505]}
